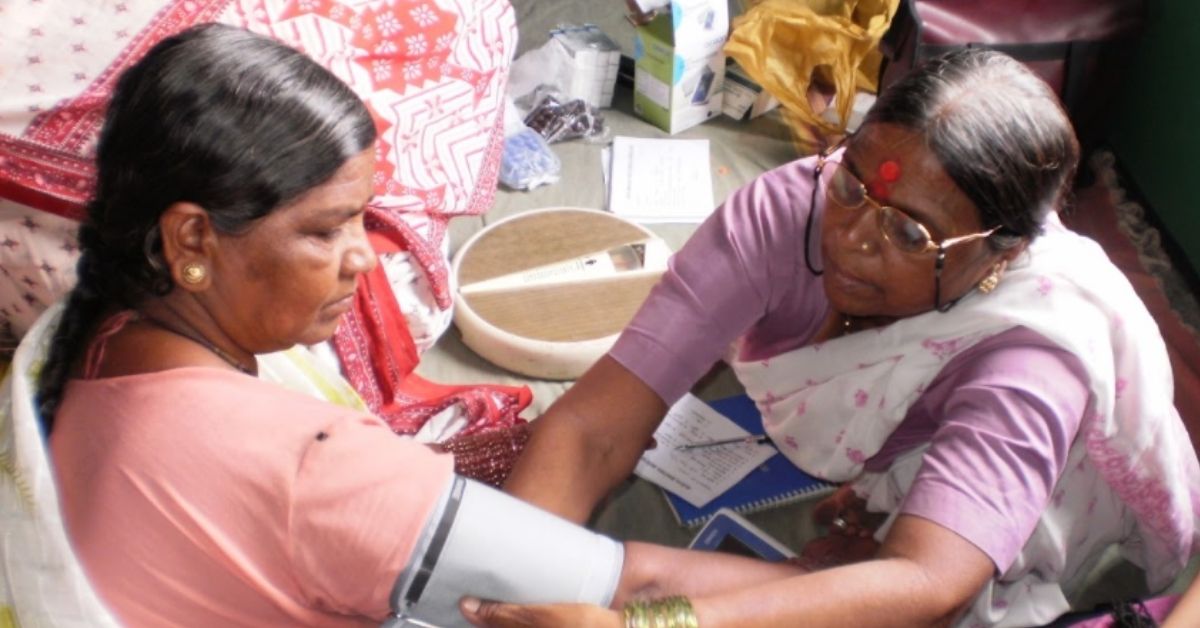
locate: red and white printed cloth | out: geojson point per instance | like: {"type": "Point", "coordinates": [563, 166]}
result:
{"type": "Point", "coordinates": [431, 72]}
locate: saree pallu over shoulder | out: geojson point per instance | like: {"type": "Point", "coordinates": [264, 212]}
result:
{"type": "Point", "coordinates": [831, 406]}
{"type": "Point", "coordinates": [41, 581]}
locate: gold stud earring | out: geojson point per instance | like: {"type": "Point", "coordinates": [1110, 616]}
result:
{"type": "Point", "coordinates": [864, 247]}
{"type": "Point", "coordinates": [989, 283]}
{"type": "Point", "coordinates": [194, 273]}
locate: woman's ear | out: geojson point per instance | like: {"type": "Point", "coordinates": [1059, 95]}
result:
{"type": "Point", "coordinates": [188, 242]}
{"type": "Point", "coordinates": [1011, 253]}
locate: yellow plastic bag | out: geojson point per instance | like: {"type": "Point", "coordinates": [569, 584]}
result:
{"type": "Point", "coordinates": [782, 44]}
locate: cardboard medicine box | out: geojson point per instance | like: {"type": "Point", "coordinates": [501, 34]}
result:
{"type": "Point", "coordinates": [679, 67]}
{"type": "Point", "coordinates": [743, 98]}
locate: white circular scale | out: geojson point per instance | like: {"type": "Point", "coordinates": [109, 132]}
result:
{"type": "Point", "coordinates": [546, 293]}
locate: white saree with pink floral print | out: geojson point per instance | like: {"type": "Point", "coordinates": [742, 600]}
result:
{"type": "Point", "coordinates": [1131, 477]}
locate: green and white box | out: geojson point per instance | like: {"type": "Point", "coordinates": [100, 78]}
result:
{"type": "Point", "coordinates": [680, 65]}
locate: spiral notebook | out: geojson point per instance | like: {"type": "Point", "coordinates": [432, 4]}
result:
{"type": "Point", "coordinates": [776, 482]}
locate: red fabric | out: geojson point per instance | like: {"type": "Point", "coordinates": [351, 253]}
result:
{"type": "Point", "coordinates": [376, 28]}
{"type": "Point", "coordinates": [379, 356]}
{"type": "Point", "coordinates": [432, 74]}
{"type": "Point", "coordinates": [50, 166]}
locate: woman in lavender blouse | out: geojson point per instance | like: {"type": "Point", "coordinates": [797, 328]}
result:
{"type": "Point", "coordinates": [912, 320]}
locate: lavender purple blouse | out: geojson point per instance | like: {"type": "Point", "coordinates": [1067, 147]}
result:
{"type": "Point", "coordinates": [999, 419]}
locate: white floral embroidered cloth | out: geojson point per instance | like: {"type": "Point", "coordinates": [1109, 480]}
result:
{"type": "Point", "coordinates": [831, 406]}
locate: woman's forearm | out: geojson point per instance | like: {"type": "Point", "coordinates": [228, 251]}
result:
{"type": "Point", "coordinates": [562, 469]}
{"type": "Point", "coordinates": [587, 442]}
{"type": "Point", "coordinates": [882, 593]}
{"type": "Point", "coordinates": [652, 571]}
{"type": "Point", "coordinates": [925, 575]}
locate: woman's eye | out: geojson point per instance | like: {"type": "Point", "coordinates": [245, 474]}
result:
{"type": "Point", "coordinates": [327, 234]}
{"type": "Point", "coordinates": [912, 235]}
{"type": "Point", "coordinates": [903, 231]}
{"type": "Point", "coordinates": [846, 190]}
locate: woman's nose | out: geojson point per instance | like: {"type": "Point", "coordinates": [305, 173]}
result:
{"type": "Point", "coordinates": [862, 230]}
{"type": "Point", "coordinates": [359, 257]}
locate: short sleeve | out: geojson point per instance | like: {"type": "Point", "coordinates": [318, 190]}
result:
{"type": "Point", "coordinates": [1000, 447]}
{"type": "Point", "coordinates": [738, 266]}
{"type": "Point", "coordinates": [361, 498]}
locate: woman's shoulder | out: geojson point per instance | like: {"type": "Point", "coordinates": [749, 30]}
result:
{"type": "Point", "coordinates": [768, 213]}
{"type": "Point", "coordinates": [210, 394]}
{"type": "Point", "coordinates": [792, 180]}
{"type": "Point", "coordinates": [235, 422]}
{"type": "Point", "coordinates": [1015, 349]}
{"type": "Point", "coordinates": [775, 207]}
{"type": "Point", "coordinates": [1017, 365]}
{"type": "Point", "coordinates": [801, 165]}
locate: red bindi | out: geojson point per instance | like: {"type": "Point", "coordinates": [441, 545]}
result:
{"type": "Point", "coordinates": [879, 190]}
{"type": "Point", "coordinates": [889, 171]}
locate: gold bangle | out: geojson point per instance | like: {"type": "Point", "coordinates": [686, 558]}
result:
{"type": "Point", "coordinates": [635, 615]}
{"type": "Point", "coordinates": [670, 612]}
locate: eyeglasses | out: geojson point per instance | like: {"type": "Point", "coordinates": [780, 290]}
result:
{"type": "Point", "coordinates": [901, 230]}
{"type": "Point", "coordinates": [897, 227]}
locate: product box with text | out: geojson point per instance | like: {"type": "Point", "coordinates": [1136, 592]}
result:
{"type": "Point", "coordinates": [680, 66]}
{"type": "Point", "coordinates": [743, 98]}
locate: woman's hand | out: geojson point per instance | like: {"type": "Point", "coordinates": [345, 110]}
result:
{"type": "Point", "coordinates": [845, 514]}
{"type": "Point", "coordinates": [851, 532]}
{"type": "Point", "coordinates": [500, 615]}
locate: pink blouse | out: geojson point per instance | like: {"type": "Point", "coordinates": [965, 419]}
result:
{"type": "Point", "coordinates": [205, 497]}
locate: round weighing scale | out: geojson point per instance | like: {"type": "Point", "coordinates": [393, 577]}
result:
{"type": "Point", "coordinates": [546, 293]}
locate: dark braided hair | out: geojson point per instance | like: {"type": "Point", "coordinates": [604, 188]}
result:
{"type": "Point", "coordinates": [234, 122]}
{"type": "Point", "coordinates": [998, 130]}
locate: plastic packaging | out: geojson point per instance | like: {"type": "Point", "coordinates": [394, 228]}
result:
{"type": "Point", "coordinates": [558, 120]}
{"type": "Point", "coordinates": [580, 62]}
{"type": "Point", "coordinates": [528, 161]}
{"type": "Point", "coordinates": [786, 45]}
{"type": "Point", "coordinates": [594, 60]}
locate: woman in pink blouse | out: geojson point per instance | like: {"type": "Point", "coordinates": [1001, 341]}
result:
{"type": "Point", "coordinates": [233, 175]}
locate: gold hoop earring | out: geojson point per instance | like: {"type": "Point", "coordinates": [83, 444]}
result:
{"type": "Point", "coordinates": [989, 283]}
{"type": "Point", "coordinates": [194, 273]}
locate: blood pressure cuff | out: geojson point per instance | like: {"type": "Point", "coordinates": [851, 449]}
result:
{"type": "Point", "coordinates": [484, 543]}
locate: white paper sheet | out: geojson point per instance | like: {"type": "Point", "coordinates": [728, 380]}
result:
{"type": "Point", "coordinates": [699, 475]}
{"type": "Point", "coordinates": [660, 180]}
